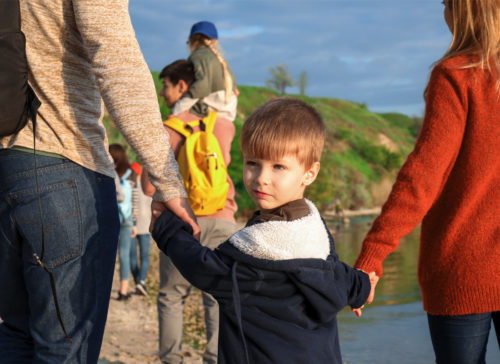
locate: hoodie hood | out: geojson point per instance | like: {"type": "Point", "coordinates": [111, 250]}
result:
{"type": "Point", "coordinates": [301, 249]}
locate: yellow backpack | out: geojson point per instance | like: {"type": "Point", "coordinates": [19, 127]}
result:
{"type": "Point", "coordinates": [201, 165]}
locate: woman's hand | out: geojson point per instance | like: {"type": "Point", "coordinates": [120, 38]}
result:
{"type": "Point", "coordinates": [373, 283]}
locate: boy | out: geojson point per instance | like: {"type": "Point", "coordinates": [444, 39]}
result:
{"type": "Point", "coordinates": [278, 281]}
{"type": "Point", "coordinates": [215, 228]}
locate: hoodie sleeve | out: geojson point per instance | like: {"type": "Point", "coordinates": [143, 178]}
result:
{"type": "Point", "coordinates": [201, 266]}
{"type": "Point", "coordinates": [357, 284]}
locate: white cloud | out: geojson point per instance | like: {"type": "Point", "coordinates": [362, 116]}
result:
{"type": "Point", "coordinates": [241, 32]}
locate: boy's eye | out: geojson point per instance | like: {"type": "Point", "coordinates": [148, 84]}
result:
{"type": "Point", "coordinates": [279, 167]}
{"type": "Point", "coordinates": [250, 163]}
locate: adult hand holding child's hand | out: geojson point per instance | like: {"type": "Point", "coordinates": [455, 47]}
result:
{"type": "Point", "coordinates": [180, 207]}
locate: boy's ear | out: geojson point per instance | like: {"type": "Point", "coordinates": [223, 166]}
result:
{"type": "Point", "coordinates": [183, 86]}
{"type": "Point", "coordinates": [311, 173]}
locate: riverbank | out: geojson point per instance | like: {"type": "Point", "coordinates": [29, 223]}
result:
{"type": "Point", "coordinates": [131, 334]}
{"type": "Point", "coordinates": [332, 214]}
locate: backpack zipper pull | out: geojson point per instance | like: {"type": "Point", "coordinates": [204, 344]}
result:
{"type": "Point", "coordinates": [207, 157]}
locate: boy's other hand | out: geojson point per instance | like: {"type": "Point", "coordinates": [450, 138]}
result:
{"type": "Point", "coordinates": [358, 311]}
{"type": "Point", "coordinates": [180, 207]}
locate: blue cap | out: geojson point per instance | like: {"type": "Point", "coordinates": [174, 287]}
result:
{"type": "Point", "coordinates": [206, 28]}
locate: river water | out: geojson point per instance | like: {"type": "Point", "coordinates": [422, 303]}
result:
{"type": "Point", "coordinates": [393, 329]}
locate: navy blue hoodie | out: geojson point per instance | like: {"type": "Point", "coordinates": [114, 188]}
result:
{"type": "Point", "coordinates": [279, 285]}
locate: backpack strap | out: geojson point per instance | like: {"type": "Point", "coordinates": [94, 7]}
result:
{"type": "Point", "coordinates": [210, 122]}
{"type": "Point", "coordinates": [186, 129]}
{"type": "Point", "coordinates": [178, 125]}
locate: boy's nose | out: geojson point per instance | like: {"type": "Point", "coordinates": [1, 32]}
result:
{"type": "Point", "coordinates": [263, 177]}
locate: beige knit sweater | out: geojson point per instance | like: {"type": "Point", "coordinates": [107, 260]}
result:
{"type": "Point", "coordinates": [81, 53]}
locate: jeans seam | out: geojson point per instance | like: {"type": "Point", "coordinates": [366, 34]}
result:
{"type": "Point", "coordinates": [41, 171]}
{"type": "Point", "coordinates": [33, 191]}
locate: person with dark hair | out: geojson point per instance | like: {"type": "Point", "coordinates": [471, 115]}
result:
{"type": "Point", "coordinates": [180, 70]}
{"type": "Point", "coordinates": [215, 228]}
{"type": "Point", "coordinates": [141, 209]}
{"type": "Point", "coordinates": [128, 183]}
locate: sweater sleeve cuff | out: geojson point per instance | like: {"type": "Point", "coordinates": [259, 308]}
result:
{"type": "Point", "coordinates": [370, 259]}
{"type": "Point", "coordinates": [164, 195]}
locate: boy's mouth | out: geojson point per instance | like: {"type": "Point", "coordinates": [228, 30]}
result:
{"type": "Point", "coordinates": [260, 194]}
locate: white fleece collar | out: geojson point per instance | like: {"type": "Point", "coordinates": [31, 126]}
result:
{"type": "Point", "coordinates": [281, 240]}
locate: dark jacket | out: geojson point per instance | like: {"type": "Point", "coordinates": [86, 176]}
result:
{"type": "Point", "coordinates": [272, 310]}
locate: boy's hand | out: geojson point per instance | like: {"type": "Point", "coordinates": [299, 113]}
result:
{"type": "Point", "coordinates": [373, 282]}
{"type": "Point", "coordinates": [134, 232]}
{"type": "Point", "coordinates": [357, 311]}
{"type": "Point", "coordinates": [180, 207]}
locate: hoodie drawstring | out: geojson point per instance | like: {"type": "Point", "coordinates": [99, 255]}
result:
{"type": "Point", "coordinates": [237, 308]}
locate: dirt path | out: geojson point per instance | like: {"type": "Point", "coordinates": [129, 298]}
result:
{"type": "Point", "coordinates": [131, 334]}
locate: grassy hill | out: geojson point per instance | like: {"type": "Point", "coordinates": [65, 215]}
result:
{"type": "Point", "coordinates": [363, 150]}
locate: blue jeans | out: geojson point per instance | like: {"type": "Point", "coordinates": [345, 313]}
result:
{"type": "Point", "coordinates": [80, 220]}
{"type": "Point", "coordinates": [462, 339]}
{"type": "Point", "coordinates": [124, 241]}
{"type": "Point", "coordinates": [140, 273]}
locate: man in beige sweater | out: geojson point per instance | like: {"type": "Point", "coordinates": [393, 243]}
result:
{"type": "Point", "coordinates": [83, 57]}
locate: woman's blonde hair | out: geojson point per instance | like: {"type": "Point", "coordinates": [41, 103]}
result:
{"type": "Point", "coordinates": [197, 40]}
{"type": "Point", "coordinates": [476, 30]}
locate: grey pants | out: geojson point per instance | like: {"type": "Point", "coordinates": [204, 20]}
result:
{"type": "Point", "coordinates": [174, 290]}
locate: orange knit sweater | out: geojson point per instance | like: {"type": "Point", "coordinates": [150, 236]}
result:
{"type": "Point", "coordinates": [450, 182]}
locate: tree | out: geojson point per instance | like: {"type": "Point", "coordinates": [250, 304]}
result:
{"type": "Point", "coordinates": [281, 79]}
{"type": "Point", "coordinates": [302, 82]}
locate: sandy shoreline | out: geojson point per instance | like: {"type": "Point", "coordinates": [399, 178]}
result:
{"type": "Point", "coordinates": [131, 334]}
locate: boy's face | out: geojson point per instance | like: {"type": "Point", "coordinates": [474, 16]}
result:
{"type": "Point", "coordinates": [272, 183]}
{"type": "Point", "coordinates": [172, 93]}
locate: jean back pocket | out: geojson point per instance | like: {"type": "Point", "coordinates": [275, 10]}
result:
{"type": "Point", "coordinates": [62, 223]}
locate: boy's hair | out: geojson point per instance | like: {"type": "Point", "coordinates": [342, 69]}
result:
{"type": "Point", "coordinates": [284, 126]}
{"type": "Point", "coordinates": [119, 155]}
{"type": "Point", "coordinates": [179, 70]}
{"type": "Point", "coordinates": [476, 30]}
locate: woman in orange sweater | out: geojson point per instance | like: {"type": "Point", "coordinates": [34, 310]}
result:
{"type": "Point", "coordinates": [451, 183]}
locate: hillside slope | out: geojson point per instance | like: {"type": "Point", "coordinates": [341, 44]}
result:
{"type": "Point", "coordinates": [363, 150]}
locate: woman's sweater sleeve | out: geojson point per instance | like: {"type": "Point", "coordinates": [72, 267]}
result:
{"type": "Point", "coordinates": [127, 88]}
{"type": "Point", "coordinates": [422, 177]}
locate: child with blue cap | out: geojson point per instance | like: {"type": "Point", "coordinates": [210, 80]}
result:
{"type": "Point", "coordinates": [214, 87]}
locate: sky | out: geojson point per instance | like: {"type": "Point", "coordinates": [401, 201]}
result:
{"type": "Point", "coordinates": [377, 52]}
